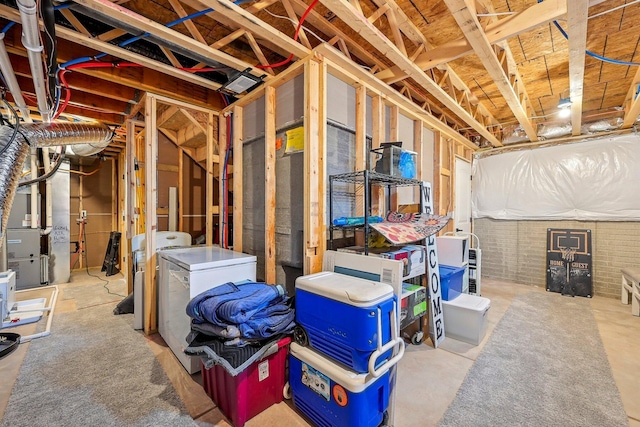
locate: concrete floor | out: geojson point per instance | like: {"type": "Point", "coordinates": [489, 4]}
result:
{"type": "Point", "coordinates": [428, 379]}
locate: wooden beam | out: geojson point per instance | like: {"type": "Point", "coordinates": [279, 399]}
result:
{"type": "Point", "coordinates": [294, 21]}
{"type": "Point", "coordinates": [259, 28]}
{"type": "Point", "coordinates": [577, 15]}
{"type": "Point", "coordinates": [361, 142]}
{"type": "Point", "coordinates": [532, 17]}
{"type": "Point", "coordinates": [270, 184]}
{"type": "Point", "coordinates": [171, 57]}
{"type": "Point", "coordinates": [632, 102]}
{"type": "Point", "coordinates": [238, 156]}
{"type": "Point", "coordinates": [126, 16]}
{"type": "Point", "coordinates": [191, 27]}
{"type": "Point", "coordinates": [314, 167]}
{"type": "Point", "coordinates": [71, 35]}
{"type": "Point", "coordinates": [150, 156]}
{"type": "Point", "coordinates": [75, 22]}
{"type": "Point", "coordinates": [377, 137]}
{"type": "Point", "coordinates": [357, 22]}
{"type": "Point", "coordinates": [209, 210]}
{"type": "Point", "coordinates": [470, 26]}
{"type": "Point", "coordinates": [258, 51]}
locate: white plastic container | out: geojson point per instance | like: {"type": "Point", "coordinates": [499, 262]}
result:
{"type": "Point", "coordinates": [465, 318]}
{"type": "Point", "coordinates": [453, 250]}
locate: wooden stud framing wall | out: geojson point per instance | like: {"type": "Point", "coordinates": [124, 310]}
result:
{"type": "Point", "coordinates": [315, 67]}
{"type": "Point", "coordinates": [144, 219]}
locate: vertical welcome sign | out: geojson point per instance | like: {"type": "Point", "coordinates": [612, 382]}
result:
{"type": "Point", "coordinates": [436, 324]}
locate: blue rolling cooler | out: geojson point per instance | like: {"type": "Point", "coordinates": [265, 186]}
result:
{"type": "Point", "coordinates": [349, 319]}
{"type": "Point", "coordinates": [334, 396]}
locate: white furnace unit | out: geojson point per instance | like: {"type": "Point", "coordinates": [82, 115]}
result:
{"type": "Point", "coordinates": [186, 273]}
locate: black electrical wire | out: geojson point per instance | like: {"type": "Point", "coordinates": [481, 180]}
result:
{"type": "Point", "coordinates": [86, 265]}
{"type": "Point", "coordinates": [51, 48]}
{"type": "Point", "coordinates": [15, 128]}
{"type": "Point", "coordinates": [48, 174]}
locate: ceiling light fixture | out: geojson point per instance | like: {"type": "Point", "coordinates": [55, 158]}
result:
{"type": "Point", "coordinates": [564, 107]}
{"type": "Point", "coordinates": [241, 81]}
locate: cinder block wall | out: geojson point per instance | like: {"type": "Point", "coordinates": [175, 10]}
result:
{"type": "Point", "coordinates": [517, 250]}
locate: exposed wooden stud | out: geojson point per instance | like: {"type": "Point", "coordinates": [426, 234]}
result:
{"type": "Point", "coordinates": [577, 15]}
{"type": "Point", "coordinates": [314, 167]}
{"type": "Point", "coordinates": [223, 134]}
{"type": "Point", "coordinates": [418, 147]}
{"type": "Point", "coordinates": [191, 27]}
{"type": "Point", "coordinates": [259, 28]}
{"type": "Point", "coordinates": [73, 20]}
{"type": "Point", "coordinates": [151, 156]}
{"type": "Point", "coordinates": [395, 31]}
{"type": "Point", "coordinates": [270, 184]}
{"type": "Point", "coordinates": [534, 16]}
{"type": "Point", "coordinates": [71, 35]}
{"type": "Point", "coordinates": [238, 121]}
{"type": "Point", "coordinates": [468, 22]}
{"type": "Point", "coordinates": [171, 57]}
{"type": "Point", "coordinates": [294, 21]}
{"type": "Point", "coordinates": [382, 9]}
{"type": "Point", "coordinates": [348, 14]}
{"type": "Point", "coordinates": [209, 202]}
{"type": "Point", "coordinates": [181, 189]}
{"type": "Point", "coordinates": [258, 52]}
{"type": "Point", "coordinates": [343, 48]}
{"type": "Point", "coordinates": [361, 142]}
{"type": "Point", "coordinates": [632, 102]}
{"type": "Point", "coordinates": [126, 16]}
{"type": "Point", "coordinates": [111, 35]}
{"type": "Point", "coordinates": [377, 137]}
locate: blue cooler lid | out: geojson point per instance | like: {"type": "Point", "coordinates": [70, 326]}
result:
{"type": "Point", "coordinates": [347, 289]}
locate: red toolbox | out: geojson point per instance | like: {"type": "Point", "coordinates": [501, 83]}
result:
{"type": "Point", "coordinates": [253, 390]}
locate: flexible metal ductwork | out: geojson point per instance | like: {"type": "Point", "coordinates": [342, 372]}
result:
{"type": "Point", "coordinates": [85, 137]}
{"type": "Point", "coordinates": [14, 153]}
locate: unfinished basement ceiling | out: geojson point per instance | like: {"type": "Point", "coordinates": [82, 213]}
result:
{"type": "Point", "coordinates": [494, 71]}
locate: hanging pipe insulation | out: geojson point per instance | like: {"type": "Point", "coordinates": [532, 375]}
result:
{"type": "Point", "coordinates": [31, 41]}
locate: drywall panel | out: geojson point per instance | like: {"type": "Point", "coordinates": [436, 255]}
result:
{"type": "Point", "coordinates": [289, 101]}
{"type": "Point", "coordinates": [253, 119]}
{"type": "Point", "coordinates": [341, 102]}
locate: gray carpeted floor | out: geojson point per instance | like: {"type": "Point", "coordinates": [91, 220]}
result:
{"type": "Point", "coordinates": [94, 370]}
{"type": "Point", "coordinates": [544, 365]}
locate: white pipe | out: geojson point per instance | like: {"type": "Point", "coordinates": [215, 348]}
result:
{"type": "Point", "coordinates": [31, 41]}
{"type": "Point", "coordinates": [47, 331]}
{"type": "Point", "coordinates": [48, 195]}
{"type": "Point", "coordinates": [12, 82]}
{"type": "Point", "coordinates": [34, 188]}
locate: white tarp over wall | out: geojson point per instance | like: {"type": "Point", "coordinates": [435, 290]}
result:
{"type": "Point", "coordinates": [592, 180]}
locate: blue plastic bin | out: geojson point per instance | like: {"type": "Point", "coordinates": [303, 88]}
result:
{"type": "Point", "coordinates": [332, 395]}
{"type": "Point", "coordinates": [451, 281]}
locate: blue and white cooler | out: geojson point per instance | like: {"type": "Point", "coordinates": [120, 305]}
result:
{"type": "Point", "coordinates": [332, 395]}
{"type": "Point", "coordinates": [349, 319]}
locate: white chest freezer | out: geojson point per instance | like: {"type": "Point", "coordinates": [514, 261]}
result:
{"type": "Point", "coordinates": [186, 273]}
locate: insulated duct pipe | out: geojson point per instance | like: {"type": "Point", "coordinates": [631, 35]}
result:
{"type": "Point", "coordinates": [93, 135]}
{"type": "Point", "coordinates": [15, 152]}
{"type": "Point", "coordinates": [12, 82]}
{"type": "Point", "coordinates": [31, 41]}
